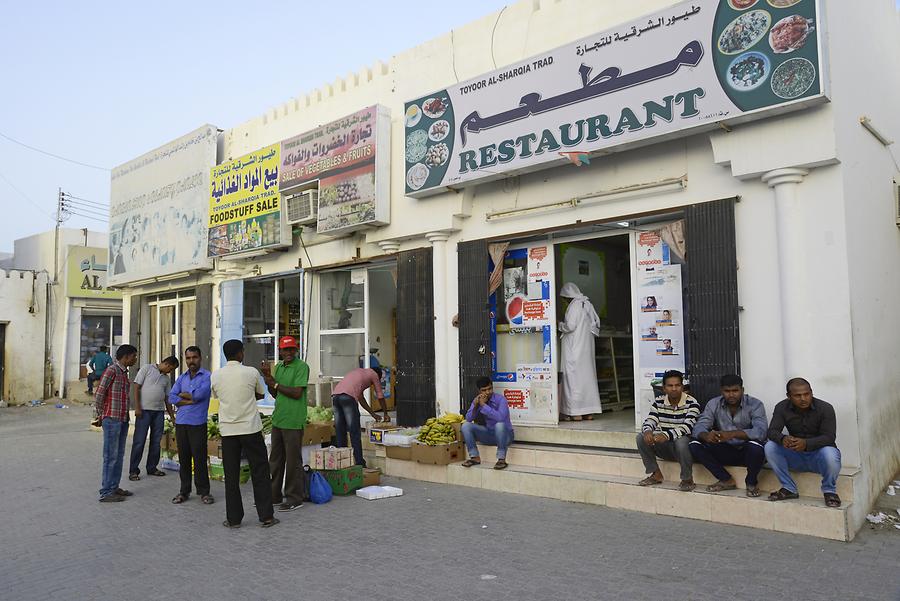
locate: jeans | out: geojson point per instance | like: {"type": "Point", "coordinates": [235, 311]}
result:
{"type": "Point", "coordinates": [499, 436]}
{"type": "Point", "coordinates": [286, 466]}
{"type": "Point", "coordinates": [254, 447]}
{"type": "Point", "coordinates": [91, 378]}
{"type": "Point", "coordinates": [152, 421]}
{"type": "Point", "coordinates": [115, 434]}
{"type": "Point", "coordinates": [671, 450]}
{"type": "Point", "coordinates": [714, 456]}
{"type": "Point", "coordinates": [346, 419]}
{"type": "Point", "coordinates": [825, 461]}
{"type": "Point", "coordinates": [192, 448]}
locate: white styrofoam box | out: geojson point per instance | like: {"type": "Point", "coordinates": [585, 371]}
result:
{"type": "Point", "coordinates": [392, 439]}
{"type": "Point", "coordinates": [215, 461]}
{"type": "Point", "coordinates": [306, 452]}
{"type": "Point", "coordinates": [371, 493]}
{"type": "Point", "coordinates": [169, 464]}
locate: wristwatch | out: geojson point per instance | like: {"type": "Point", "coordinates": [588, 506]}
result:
{"type": "Point", "coordinates": [276, 388]}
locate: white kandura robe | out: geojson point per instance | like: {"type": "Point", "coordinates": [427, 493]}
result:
{"type": "Point", "coordinates": [580, 395]}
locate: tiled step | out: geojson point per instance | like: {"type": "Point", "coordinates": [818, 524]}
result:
{"type": "Point", "coordinates": [622, 463]}
{"type": "Point", "coordinates": [806, 515]}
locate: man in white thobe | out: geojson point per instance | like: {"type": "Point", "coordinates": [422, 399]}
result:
{"type": "Point", "coordinates": [580, 395]}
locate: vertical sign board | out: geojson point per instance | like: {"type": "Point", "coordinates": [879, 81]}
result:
{"type": "Point", "coordinates": [673, 72]}
{"type": "Point", "coordinates": [158, 208]}
{"type": "Point", "coordinates": [523, 335]}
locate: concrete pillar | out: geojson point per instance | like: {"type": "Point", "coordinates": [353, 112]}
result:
{"type": "Point", "coordinates": [389, 246]}
{"type": "Point", "coordinates": [793, 277]}
{"type": "Point", "coordinates": [441, 320]}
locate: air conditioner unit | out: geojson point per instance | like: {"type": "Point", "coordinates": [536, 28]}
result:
{"type": "Point", "coordinates": [302, 207]}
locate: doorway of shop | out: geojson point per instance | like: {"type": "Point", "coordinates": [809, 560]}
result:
{"type": "Point", "coordinates": [600, 269]}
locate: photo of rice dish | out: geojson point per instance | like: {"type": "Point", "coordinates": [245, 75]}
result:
{"type": "Point", "coordinates": [416, 143]}
{"type": "Point", "coordinates": [744, 32]}
{"type": "Point", "coordinates": [793, 78]}
{"type": "Point", "coordinates": [741, 4]}
{"type": "Point", "coordinates": [416, 176]}
{"type": "Point", "coordinates": [748, 71]}
{"type": "Point", "coordinates": [790, 33]}
{"type": "Point", "coordinates": [782, 3]}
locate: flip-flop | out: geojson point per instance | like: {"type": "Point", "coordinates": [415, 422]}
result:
{"type": "Point", "coordinates": [649, 481]}
{"type": "Point", "coordinates": [207, 499]}
{"type": "Point", "coordinates": [134, 477]}
{"type": "Point", "coordinates": [720, 486]}
{"type": "Point", "coordinates": [270, 523]}
{"type": "Point", "coordinates": [156, 472]}
{"type": "Point", "coordinates": [832, 500]}
{"type": "Point", "coordinates": [470, 463]}
{"type": "Point", "coordinates": [501, 464]}
{"type": "Point", "coordinates": [179, 499]}
{"type": "Point", "coordinates": [687, 486]}
{"type": "Point", "coordinates": [228, 524]}
{"type": "Point", "coordinates": [783, 494]}
{"type": "Point", "coordinates": [752, 491]}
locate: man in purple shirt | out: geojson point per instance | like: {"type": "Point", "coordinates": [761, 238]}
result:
{"type": "Point", "coordinates": [487, 422]}
{"type": "Point", "coordinates": [190, 396]}
{"type": "Point", "coordinates": [345, 399]}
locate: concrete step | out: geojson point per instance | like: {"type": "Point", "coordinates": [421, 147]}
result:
{"type": "Point", "coordinates": [576, 437]}
{"type": "Point", "coordinates": [806, 515]}
{"type": "Point", "coordinates": [629, 464]}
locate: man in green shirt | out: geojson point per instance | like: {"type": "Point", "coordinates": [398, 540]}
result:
{"type": "Point", "coordinates": [287, 383]}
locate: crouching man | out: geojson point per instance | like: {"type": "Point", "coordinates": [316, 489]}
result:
{"type": "Point", "coordinates": [487, 422]}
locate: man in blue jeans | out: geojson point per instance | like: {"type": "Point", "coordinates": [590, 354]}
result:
{"type": "Point", "coordinates": [98, 364]}
{"type": "Point", "coordinates": [111, 407]}
{"type": "Point", "coordinates": [151, 389]}
{"type": "Point", "coordinates": [487, 422]}
{"type": "Point", "coordinates": [809, 445]}
{"type": "Point", "coordinates": [346, 398]}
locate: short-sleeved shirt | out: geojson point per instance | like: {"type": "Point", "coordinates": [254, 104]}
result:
{"type": "Point", "coordinates": [290, 414]}
{"type": "Point", "coordinates": [356, 382]}
{"type": "Point", "coordinates": [155, 387]}
{"type": "Point", "coordinates": [99, 362]}
{"type": "Point", "coordinates": [236, 387]}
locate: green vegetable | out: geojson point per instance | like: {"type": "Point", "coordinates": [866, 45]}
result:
{"type": "Point", "coordinates": [320, 415]}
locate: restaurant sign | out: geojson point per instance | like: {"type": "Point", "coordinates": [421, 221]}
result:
{"type": "Point", "coordinates": [679, 70]}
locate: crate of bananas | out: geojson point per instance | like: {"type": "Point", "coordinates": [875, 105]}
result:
{"type": "Point", "coordinates": [441, 430]}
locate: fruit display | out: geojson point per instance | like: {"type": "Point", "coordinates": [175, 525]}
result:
{"type": "Point", "coordinates": [440, 430]}
{"type": "Point", "coordinates": [320, 415]}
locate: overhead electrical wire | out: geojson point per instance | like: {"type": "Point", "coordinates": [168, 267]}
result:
{"type": "Point", "coordinates": [66, 201]}
{"type": "Point", "coordinates": [50, 154]}
{"type": "Point", "coordinates": [25, 197]}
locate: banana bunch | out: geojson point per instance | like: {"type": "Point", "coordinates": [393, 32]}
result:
{"type": "Point", "coordinates": [451, 418]}
{"type": "Point", "coordinates": [437, 432]}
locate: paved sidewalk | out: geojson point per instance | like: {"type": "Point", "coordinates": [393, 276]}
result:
{"type": "Point", "coordinates": [430, 544]}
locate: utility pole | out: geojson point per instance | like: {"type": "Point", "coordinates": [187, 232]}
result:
{"type": "Point", "coordinates": [48, 371]}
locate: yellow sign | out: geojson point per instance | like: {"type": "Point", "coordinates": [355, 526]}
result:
{"type": "Point", "coordinates": [245, 188]}
{"type": "Point", "coordinates": [86, 270]}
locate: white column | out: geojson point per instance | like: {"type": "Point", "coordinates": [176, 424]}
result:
{"type": "Point", "coordinates": [795, 303]}
{"type": "Point", "coordinates": [441, 319]}
{"type": "Point", "coordinates": [389, 246]}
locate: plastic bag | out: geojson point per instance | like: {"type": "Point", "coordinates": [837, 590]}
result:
{"type": "Point", "coordinates": [319, 489]}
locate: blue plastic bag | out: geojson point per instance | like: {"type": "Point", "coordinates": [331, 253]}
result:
{"type": "Point", "coordinates": [319, 489]}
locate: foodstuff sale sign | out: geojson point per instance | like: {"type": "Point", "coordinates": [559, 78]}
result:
{"type": "Point", "coordinates": [691, 65]}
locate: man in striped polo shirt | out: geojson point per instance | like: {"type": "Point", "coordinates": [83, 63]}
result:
{"type": "Point", "coordinates": [666, 433]}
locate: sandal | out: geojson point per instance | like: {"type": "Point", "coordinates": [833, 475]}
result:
{"type": "Point", "coordinates": [269, 523]}
{"type": "Point", "coordinates": [687, 486]}
{"type": "Point", "coordinates": [207, 499]}
{"type": "Point", "coordinates": [134, 477]}
{"type": "Point", "coordinates": [156, 472]}
{"type": "Point", "coordinates": [783, 494]}
{"type": "Point", "coordinates": [228, 524]}
{"type": "Point", "coordinates": [179, 499]}
{"type": "Point", "coordinates": [501, 464]}
{"type": "Point", "coordinates": [565, 418]}
{"type": "Point", "coordinates": [752, 491]}
{"type": "Point", "coordinates": [470, 462]}
{"type": "Point", "coordinates": [832, 500]}
{"type": "Point", "coordinates": [589, 416]}
{"type": "Point", "coordinates": [720, 486]}
{"type": "Point", "coordinates": [649, 481]}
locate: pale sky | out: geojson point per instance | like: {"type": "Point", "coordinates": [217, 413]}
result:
{"type": "Point", "coordinates": [104, 82]}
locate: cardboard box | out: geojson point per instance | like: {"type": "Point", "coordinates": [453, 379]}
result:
{"type": "Point", "coordinates": [344, 481]}
{"type": "Point", "coordinates": [403, 453]}
{"type": "Point", "coordinates": [332, 458]}
{"type": "Point", "coordinates": [377, 431]}
{"type": "Point", "coordinates": [214, 447]}
{"type": "Point", "coordinates": [371, 477]}
{"type": "Point", "coordinates": [169, 442]}
{"type": "Point", "coordinates": [439, 454]}
{"type": "Point", "coordinates": [316, 433]}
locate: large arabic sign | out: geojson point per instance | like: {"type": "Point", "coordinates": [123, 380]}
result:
{"type": "Point", "coordinates": [86, 274]}
{"type": "Point", "coordinates": [158, 206]}
{"type": "Point", "coordinates": [694, 64]}
{"type": "Point", "coordinates": [244, 205]}
{"type": "Point", "coordinates": [349, 158]}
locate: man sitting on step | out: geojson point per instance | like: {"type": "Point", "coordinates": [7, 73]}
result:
{"type": "Point", "coordinates": [487, 422]}
{"type": "Point", "coordinates": [809, 445]}
{"type": "Point", "coordinates": [666, 433]}
{"type": "Point", "coordinates": [731, 431]}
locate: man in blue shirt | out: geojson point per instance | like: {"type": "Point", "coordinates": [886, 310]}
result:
{"type": "Point", "coordinates": [190, 396]}
{"type": "Point", "coordinates": [487, 422]}
{"type": "Point", "coordinates": [731, 431]}
{"type": "Point", "coordinates": [98, 364]}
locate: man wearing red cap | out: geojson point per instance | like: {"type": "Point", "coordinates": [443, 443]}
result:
{"type": "Point", "coordinates": [287, 383]}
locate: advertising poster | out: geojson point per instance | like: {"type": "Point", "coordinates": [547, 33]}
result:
{"type": "Point", "coordinates": [158, 210]}
{"type": "Point", "coordinates": [86, 274]}
{"type": "Point", "coordinates": [662, 332]}
{"type": "Point", "coordinates": [349, 158]}
{"type": "Point", "coordinates": [682, 69]}
{"type": "Point", "coordinates": [244, 204]}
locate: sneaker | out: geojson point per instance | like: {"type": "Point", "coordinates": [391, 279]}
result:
{"type": "Point", "coordinates": [113, 498]}
{"type": "Point", "coordinates": [123, 493]}
{"type": "Point", "coordinates": [289, 506]}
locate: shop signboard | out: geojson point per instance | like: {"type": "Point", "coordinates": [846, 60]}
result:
{"type": "Point", "coordinates": [244, 205]}
{"type": "Point", "coordinates": [158, 209]}
{"type": "Point", "coordinates": [86, 274]}
{"type": "Point", "coordinates": [349, 158]}
{"type": "Point", "coordinates": [677, 71]}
